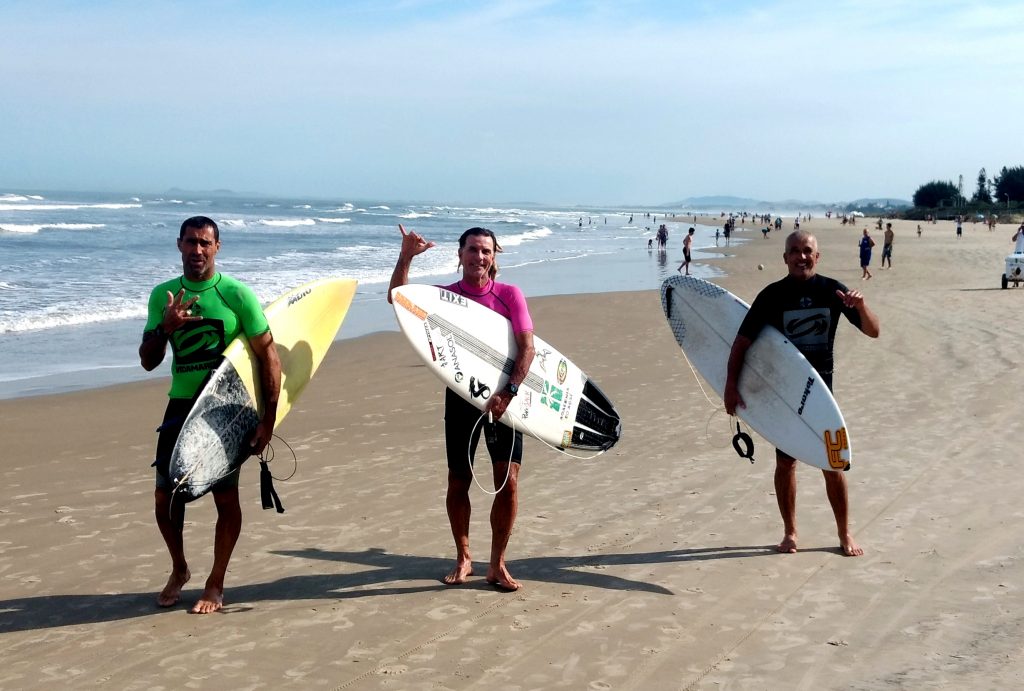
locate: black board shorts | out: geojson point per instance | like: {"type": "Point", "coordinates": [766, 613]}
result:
{"type": "Point", "coordinates": [459, 418]}
{"type": "Point", "coordinates": [174, 417]}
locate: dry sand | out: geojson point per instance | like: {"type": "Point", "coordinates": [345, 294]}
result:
{"type": "Point", "coordinates": [649, 567]}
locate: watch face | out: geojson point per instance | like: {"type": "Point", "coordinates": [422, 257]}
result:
{"type": "Point", "coordinates": [512, 388]}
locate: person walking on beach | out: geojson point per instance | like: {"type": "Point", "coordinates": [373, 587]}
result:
{"type": "Point", "coordinates": [478, 250]}
{"type": "Point", "coordinates": [887, 245]}
{"type": "Point", "coordinates": [800, 297]}
{"type": "Point", "coordinates": [198, 314]}
{"type": "Point", "coordinates": [687, 244]}
{"type": "Point", "coordinates": [1018, 238]}
{"type": "Point", "coordinates": [866, 243]}
{"type": "Point", "coordinates": [959, 227]}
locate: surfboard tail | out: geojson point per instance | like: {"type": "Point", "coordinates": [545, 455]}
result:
{"type": "Point", "coordinates": [598, 425]}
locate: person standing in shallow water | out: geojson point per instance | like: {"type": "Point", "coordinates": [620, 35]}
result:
{"type": "Point", "coordinates": [478, 250]}
{"type": "Point", "coordinates": [687, 245]}
{"type": "Point", "coordinates": [803, 294]}
{"type": "Point", "coordinates": [198, 314]}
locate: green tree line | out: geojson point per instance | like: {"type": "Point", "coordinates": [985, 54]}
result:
{"type": "Point", "coordinates": [1005, 188]}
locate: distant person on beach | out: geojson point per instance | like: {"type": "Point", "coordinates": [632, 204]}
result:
{"type": "Point", "coordinates": [799, 297]}
{"type": "Point", "coordinates": [959, 227]}
{"type": "Point", "coordinates": [866, 243]}
{"type": "Point", "coordinates": [478, 253]}
{"type": "Point", "coordinates": [918, 230]}
{"type": "Point", "coordinates": [687, 244]}
{"type": "Point", "coordinates": [650, 243]}
{"type": "Point", "coordinates": [1018, 238]}
{"type": "Point", "coordinates": [198, 314]}
{"type": "Point", "coordinates": [887, 245]}
{"type": "Point", "coordinates": [662, 237]}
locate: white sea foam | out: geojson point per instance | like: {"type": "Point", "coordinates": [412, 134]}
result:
{"type": "Point", "coordinates": [54, 317]}
{"type": "Point", "coordinates": [385, 208]}
{"type": "Point", "coordinates": [233, 222]}
{"type": "Point", "coordinates": [35, 228]}
{"type": "Point", "coordinates": [286, 222]}
{"type": "Point", "coordinates": [64, 207]}
{"type": "Point", "coordinates": [414, 214]}
{"type": "Point", "coordinates": [514, 240]}
{"type": "Point", "coordinates": [333, 220]}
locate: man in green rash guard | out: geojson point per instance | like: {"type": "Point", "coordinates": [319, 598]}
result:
{"type": "Point", "coordinates": [199, 314]}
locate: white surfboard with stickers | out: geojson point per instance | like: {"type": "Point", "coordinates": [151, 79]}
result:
{"type": "Point", "coordinates": [472, 350]}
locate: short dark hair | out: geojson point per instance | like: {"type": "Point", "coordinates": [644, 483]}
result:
{"type": "Point", "coordinates": [198, 223]}
{"type": "Point", "coordinates": [482, 232]}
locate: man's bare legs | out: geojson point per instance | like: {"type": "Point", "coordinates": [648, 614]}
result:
{"type": "Point", "coordinates": [503, 517]}
{"type": "Point", "coordinates": [171, 527]}
{"type": "Point", "coordinates": [835, 486]}
{"type": "Point", "coordinates": [785, 494]}
{"type": "Point", "coordinates": [459, 510]}
{"type": "Point", "coordinates": [229, 527]}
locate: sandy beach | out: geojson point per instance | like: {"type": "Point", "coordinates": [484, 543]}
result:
{"type": "Point", "coordinates": [651, 567]}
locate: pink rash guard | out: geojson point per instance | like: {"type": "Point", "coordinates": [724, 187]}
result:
{"type": "Point", "coordinates": [507, 300]}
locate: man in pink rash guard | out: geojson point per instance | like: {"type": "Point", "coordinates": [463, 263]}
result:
{"type": "Point", "coordinates": [478, 249]}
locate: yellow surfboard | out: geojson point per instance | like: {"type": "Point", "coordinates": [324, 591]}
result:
{"type": "Point", "coordinates": [213, 439]}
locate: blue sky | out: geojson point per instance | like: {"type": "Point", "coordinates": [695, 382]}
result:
{"type": "Point", "coordinates": [559, 102]}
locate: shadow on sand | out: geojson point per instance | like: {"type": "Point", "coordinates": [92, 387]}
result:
{"type": "Point", "coordinates": [386, 571]}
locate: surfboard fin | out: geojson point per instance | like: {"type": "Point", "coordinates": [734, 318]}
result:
{"type": "Point", "coordinates": [267, 492]}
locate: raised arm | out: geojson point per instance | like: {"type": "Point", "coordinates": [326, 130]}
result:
{"type": "Point", "coordinates": [154, 342]}
{"type": "Point", "coordinates": [869, 323]}
{"type": "Point", "coordinates": [412, 244]}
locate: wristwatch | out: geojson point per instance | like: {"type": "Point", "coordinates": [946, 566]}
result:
{"type": "Point", "coordinates": [513, 389]}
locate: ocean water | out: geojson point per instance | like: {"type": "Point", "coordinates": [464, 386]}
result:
{"type": "Point", "coordinates": [76, 269]}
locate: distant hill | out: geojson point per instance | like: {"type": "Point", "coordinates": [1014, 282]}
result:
{"type": "Point", "coordinates": [727, 202]}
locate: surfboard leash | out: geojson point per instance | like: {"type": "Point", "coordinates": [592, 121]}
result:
{"type": "Point", "coordinates": [268, 495]}
{"type": "Point", "coordinates": [743, 444]}
{"type": "Point", "coordinates": [469, 454]}
{"type": "Point", "coordinates": [741, 441]}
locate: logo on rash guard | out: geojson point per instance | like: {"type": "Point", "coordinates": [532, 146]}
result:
{"type": "Point", "coordinates": [199, 341]}
{"type": "Point", "coordinates": [814, 325]}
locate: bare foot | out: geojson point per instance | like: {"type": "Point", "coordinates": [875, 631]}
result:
{"type": "Point", "coordinates": [501, 579]}
{"type": "Point", "coordinates": [211, 600]}
{"type": "Point", "coordinates": [849, 547]}
{"type": "Point", "coordinates": [171, 593]}
{"type": "Point", "coordinates": [788, 545]}
{"type": "Point", "coordinates": [460, 574]}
